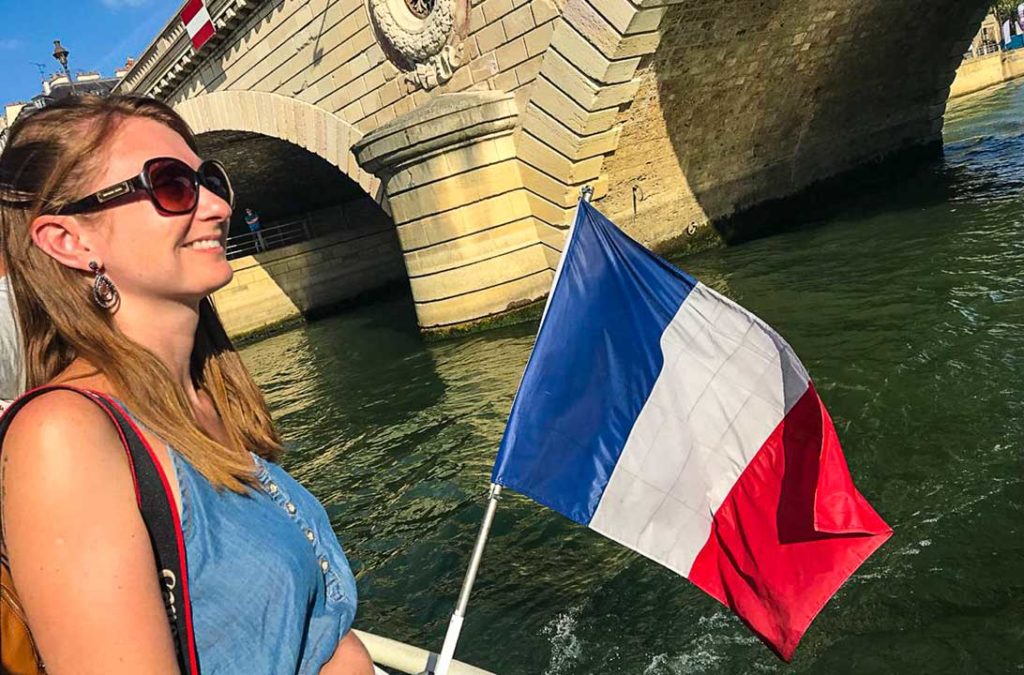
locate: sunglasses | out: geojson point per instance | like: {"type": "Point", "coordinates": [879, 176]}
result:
{"type": "Point", "coordinates": [172, 186]}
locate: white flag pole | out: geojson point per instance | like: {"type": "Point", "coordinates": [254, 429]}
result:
{"type": "Point", "coordinates": [451, 637]}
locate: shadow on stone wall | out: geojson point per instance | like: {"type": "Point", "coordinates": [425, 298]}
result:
{"type": "Point", "coordinates": [354, 258]}
{"type": "Point", "coordinates": [747, 107]}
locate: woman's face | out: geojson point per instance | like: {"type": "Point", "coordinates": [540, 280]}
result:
{"type": "Point", "coordinates": [148, 253]}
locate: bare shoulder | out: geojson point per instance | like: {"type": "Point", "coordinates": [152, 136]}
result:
{"type": "Point", "coordinates": [61, 438]}
{"type": "Point", "coordinates": [70, 514]}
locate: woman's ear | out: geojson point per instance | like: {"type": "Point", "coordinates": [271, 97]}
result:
{"type": "Point", "coordinates": [64, 239]}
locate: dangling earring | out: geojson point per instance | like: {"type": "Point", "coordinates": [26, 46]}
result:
{"type": "Point", "coordinates": [104, 293]}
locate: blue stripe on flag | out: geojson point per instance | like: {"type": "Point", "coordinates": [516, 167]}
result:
{"type": "Point", "coordinates": [596, 359]}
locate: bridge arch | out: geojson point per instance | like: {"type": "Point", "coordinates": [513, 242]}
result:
{"type": "Point", "coordinates": [307, 126]}
{"type": "Point", "coordinates": [325, 239]}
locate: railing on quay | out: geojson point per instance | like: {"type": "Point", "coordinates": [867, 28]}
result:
{"type": "Point", "coordinates": [983, 50]}
{"type": "Point", "coordinates": [268, 238]}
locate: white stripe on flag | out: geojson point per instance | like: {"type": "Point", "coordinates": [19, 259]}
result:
{"type": "Point", "coordinates": [196, 23]}
{"type": "Point", "coordinates": [727, 382]}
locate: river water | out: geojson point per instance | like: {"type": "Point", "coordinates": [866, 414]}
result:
{"type": "Point", "coordinates": [906, 304]}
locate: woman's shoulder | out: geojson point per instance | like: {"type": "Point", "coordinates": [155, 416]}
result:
{"type": "Point", "coordinates": [61, 436]}
{"type": "Point", "coordinates": [61, 412]}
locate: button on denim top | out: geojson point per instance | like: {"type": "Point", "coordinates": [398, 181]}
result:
{"type": "Point", "coordinates": [271, 589]}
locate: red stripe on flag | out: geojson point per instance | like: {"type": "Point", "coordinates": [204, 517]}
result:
{"type": "Point", "coordinates": [791, 531]}
{"type": "Point", "coordinates": [190, 9]}
{"type": "Point", "coordinates": [202, 35]}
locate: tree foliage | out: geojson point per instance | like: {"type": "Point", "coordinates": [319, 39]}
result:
{"type": "Point", "coordinates": [1004, 8]}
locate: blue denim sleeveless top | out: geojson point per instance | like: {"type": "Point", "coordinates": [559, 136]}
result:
{"type": "Point", "coordinates": [271, 589]}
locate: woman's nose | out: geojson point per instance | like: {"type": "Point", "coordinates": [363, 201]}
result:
{"type": "Point", "coordinates": [211, 205]}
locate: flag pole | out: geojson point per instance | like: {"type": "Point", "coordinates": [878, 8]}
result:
{"type": "Point", "coordinates": [451, 638]}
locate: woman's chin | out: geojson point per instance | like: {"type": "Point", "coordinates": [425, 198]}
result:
{"type": "Point", "coordinates": [216, 282]}
{"type": "Point", "coordinates": [225, 279]}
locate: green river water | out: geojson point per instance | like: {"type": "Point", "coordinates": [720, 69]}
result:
{"type": "Point", "coordinates": [906, 304]}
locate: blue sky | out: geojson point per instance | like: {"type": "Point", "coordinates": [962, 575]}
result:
{"type": "Point", "coordinates": [100, 34]}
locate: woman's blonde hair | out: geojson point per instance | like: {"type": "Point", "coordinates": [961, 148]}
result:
{"type": "Point", "coordinates": [47, 162]}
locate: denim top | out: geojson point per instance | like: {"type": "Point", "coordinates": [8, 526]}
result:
{"type": "Point", "coordinates": [271, 589]}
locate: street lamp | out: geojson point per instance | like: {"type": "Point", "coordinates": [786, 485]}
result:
{"type": "Point", "coordinates": [61, 55]}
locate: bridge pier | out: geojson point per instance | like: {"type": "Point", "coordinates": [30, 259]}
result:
{"type": "Point", "coordinates": [452, 181]}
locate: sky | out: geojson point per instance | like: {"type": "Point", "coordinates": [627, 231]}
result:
{"type": "Point", "coordinates": [99, 34]}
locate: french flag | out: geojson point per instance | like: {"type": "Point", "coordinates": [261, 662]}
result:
{"type": "Point", "coordinates": [197, 22]}
{"type": "Point", "coordinates": [671, 420]}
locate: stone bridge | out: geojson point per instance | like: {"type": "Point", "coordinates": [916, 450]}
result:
{"type": "Point", "coordinates": [468, 126]}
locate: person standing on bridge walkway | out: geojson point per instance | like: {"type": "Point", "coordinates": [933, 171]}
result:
{"type": "Point", "coordinates": [253, 221]}
{"type": "Point", "coordinates": [114, 231]}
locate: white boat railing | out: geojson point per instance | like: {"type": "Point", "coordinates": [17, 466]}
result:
{"type": "Point", "coordinates": [408, 659]}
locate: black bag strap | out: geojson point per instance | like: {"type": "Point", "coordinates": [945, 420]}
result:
{"type": "Point", "coordinates": [156, 504]}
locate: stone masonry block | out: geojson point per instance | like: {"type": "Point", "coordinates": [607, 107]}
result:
{"type": "Point", "coordinates": [374, 79]}
{"type": "Point", "coordinates": [476, 20]}
{"type": "Point", "coordinates": [476, 217]}
{"type": "Point", "coordinates": [376, 54]}
{"type": "Point", "coordinates": [511, 54]}
{"type": "Point", "coordinates": [456, 191]}
{"type": "Point", "coordinates": [545, 158]}
{"type": "Point", "coordinates": [484, 274]}
{"type": "Point", "coordinates": [371, 102]}
{"type": "Point", "coordinates": [589, 95]}
{"type": "Point", "coordinates": [471, 248]}
{"type": "Point", "coordinates": [461, 80]}
{"type": "Point", "coordinates": [320, 132]}
{"type": "Point", "coordinates": [495, 9]}
{"type": "Point", "coordinates": [390, 92]}
{"type": "Point", "coordinates": [549, 212]}
{"type": "Point", "coordinates": [527, 71]}
{"type": "Point", "coordinates": [538, 39]}
{"type": "Point", "coordinates": [585, 56]}
{"type": "Point", "coordinates": [390, 70]}
{"type": "Point", "coordinates": [505, 81]}
{"type": "Point", "coordinates": [518, 22]}
{"type": "Point", "coordinates": [482, 303]}
{"type": "Point", "coordinates": [505, 146]}
{"type": "Point", "coordinates": [624, 16]}
{"type": "Point", "coordinates": [385, 115]}
{"type": "Point", "coordinates": [543, 11]}
{"type": "Point", "coordinates": [331, 152]}
{"type": "Point", "coordinates": [589, 22]}
{"type": "Point", "coordinates": [563, 108]}
{"type": "Point", "coordinates": [490, 37]}
{"type": "Point", "coordinates": [550, 188]}
{"type": "Point", "coordinates": [552, 237]}
{"type": "Point", "coordinates": [483, 67]}
{"type": "Point", "coordinates": [444, 165]}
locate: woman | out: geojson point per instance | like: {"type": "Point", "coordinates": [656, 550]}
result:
{"type": "Point", "coordinates": [114, 232]}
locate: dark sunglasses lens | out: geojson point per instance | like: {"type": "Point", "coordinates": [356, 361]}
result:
{"type": "Point", "coordinates": [215, 178]}
{"type": "Point", "coordinates": [174, 186]}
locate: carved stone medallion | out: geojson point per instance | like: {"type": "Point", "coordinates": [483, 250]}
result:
{"type": "Point", "coordinates": [422, 37]}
